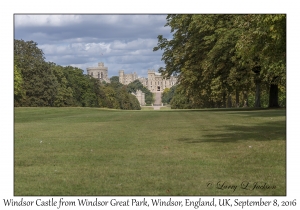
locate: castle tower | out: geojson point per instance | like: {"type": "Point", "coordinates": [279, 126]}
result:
{"type": "Point", "coordinates": [151, 80]}
{"type": "Point", "coordinates": [100, 72]}
{"type": "Point", "coordinates": [135, 76]}
{"type": "Point", "coordinates": [121, 76]}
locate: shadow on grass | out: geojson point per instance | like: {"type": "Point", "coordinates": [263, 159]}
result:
{"type": "Point", "coordinates": [282, 110]}
{"type": "Point", "coordinates": [233, 133]}
{"type": "Point", "coordinates": [261, 113]}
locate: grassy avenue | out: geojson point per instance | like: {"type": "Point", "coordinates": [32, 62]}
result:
{"type": "Point", "coordinates": [92, 151]}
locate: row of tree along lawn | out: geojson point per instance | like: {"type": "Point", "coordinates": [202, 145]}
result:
{"type": "Point", "coordinates": [226, 60]}
{"type": "Point", "coordinates": [40, 83]}
{"type": "Point", "coordinates": [178, 100]}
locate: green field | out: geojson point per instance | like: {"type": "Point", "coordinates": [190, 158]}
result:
{"type": "Point", "coordinates": [90, 151]}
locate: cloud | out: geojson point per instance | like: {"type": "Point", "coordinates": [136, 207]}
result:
{"type": "Point", "coordinates": [90, 27]}
{"type": "Point", "coordinates": [49, 20]}
{"type": "Point", "coordinates": [121, 41]}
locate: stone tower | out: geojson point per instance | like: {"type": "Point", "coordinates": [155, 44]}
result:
{"type": "Point", "coordinates": [121, 76]}
{"type": "Point", "coordinates": [127, 78]}
{"type": "Point", "coordinates": [100, 72]}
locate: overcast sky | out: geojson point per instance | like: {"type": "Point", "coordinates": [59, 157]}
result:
{"type": "Point", "coordinates": [120, 41]}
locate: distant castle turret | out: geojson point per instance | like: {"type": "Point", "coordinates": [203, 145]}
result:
{"type": "Point", "coordinates": [100, 72]}
{"type": "Point", "coordinates": [127, 78]}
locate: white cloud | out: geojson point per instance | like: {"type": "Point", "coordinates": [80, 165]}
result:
{"type": "Point", "coordinates": [95, 49]}
{"type": "Point", "coordinates": [134, 44]}
{"type": "Point", "coordinates": [48, 20]}
{"type": "Point", "coordinates": [120, 41]}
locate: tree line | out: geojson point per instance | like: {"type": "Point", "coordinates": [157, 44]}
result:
{"type": "Point", "coordinates": [41, 83]}
{"type": "Point", "coordinates": [226, 60]}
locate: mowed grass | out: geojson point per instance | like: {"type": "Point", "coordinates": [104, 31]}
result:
{"type": "Point", "coordinates": [89, 151]}
{"type": "Point", "coordinates": [146, 108]}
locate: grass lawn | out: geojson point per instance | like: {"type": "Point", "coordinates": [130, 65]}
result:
{"type": "Point", "coordinates": [147, 107]}
{"type": "Point", "coordinates": [165, 108]}
{"type": "Point", "coordinates": [89, 151]}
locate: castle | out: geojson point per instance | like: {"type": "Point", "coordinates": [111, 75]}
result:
{"type": "Point", "coordinates": [154, 82]}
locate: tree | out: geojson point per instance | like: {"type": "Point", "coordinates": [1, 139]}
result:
{"type": "Point", "coordinates": [137, 85]}
{"type": "Point", "coordinates": [64, 96]}
{"type": "Point", "coordinates": [264, 36]}
{"type": "Point", "coordinates": [41, 86]}
{"type": "Point", "coordinates": [39, 83]}
{"type": "Point", "coordinates": [114, 79]}
{"type": "Point", "coordinates": [216, 56]}
{"type": "Point", "coordinates": [180, 101]}
{"type": "Point", "coordinates": [187, 52]}
{"type": "Point", "coordinates": [168, 94]}
{"type": "Point", "coordinates": [26, 55]}
{"type": "Point", "coordinates": [126, 100]}
{"type": "Point", "coordinates": [19, 93]}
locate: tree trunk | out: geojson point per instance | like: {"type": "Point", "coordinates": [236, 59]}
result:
{"type": "Point", "coordinates": [273, 96]}
{"type": "Point", "coordinates": [229, 104]}
{"type": "Point", "coordinates": [224, 99]}
{"type": "Point", "coordinates": [257, 93]}
{"type": "Point", "coordinates": [237, 98]}
{"type": "Point", "coordinates": [245, 98]}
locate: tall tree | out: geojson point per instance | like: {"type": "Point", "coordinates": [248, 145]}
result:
{"type": "Point", "coordinates": [264, 36]}
{"type": "Point", "coordinates": [214, 55]}
{"type": "Point", "coordinates": [39, 82]}
{"type": "Point", "coordinates": [64, 95]}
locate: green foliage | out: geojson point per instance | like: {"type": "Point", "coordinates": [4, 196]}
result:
{"type": "Point", "coordinates": [117, 97]}
{"type": "Point", "coordinates": [81, 86]}
{"type": "Point", "coordinates": [282, 96]}
{"type": "Point", "coordinates": [38, 83]}
{"type": "Point", "coordinates": [137, 85]}
{"type": "Point", "coordinates": [26, 55]}
{"type": "Point", "coordinates": [114, 79]}
{"type": "Point", "coordinates": [180, 101]}
{"type": "Point", "coordinates": [214, 55]}
{"type": "Point", "coordinates": [264, 36]}
{"type": "Point", "coordinates": [110, 100]}
{"type": "Point", "coordinates": [135, 105]}
{"type": "Point", "coordinates": [127, 101]}
{"type": "Point", "coordinates": [41, 86]}
{"type": "Point", "coordinates": [168, 94]}
{"type": "Point", "coordinates": [64, 96]}
{"type": "Point", "coordinates": [264, 99]}
{"type": "Point", "coordinates": [19, 93]}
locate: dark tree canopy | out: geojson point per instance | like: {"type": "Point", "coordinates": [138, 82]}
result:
{"type": "Point", "coordinates": [216, 57]}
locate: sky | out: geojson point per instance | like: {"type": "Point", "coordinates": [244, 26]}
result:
{"type": "Point", "coordinates": [122, 42]}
